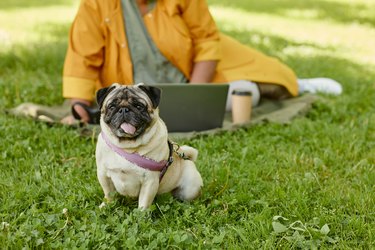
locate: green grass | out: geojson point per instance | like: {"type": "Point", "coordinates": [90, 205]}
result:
{"type": "Point", "coordinates": [309, 184]}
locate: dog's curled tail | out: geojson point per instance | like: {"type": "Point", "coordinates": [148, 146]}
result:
{"type": "Point", "coordinates": [189, 152]}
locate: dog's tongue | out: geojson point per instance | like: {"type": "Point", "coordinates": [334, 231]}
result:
{"type": "Point", "coordinates": [128, 128]}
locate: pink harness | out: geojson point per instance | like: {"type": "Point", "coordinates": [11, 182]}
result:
{"type": "Point", "coordinates": [142, 161]}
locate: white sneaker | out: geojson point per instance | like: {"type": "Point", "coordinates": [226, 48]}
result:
{"type": "Point", "coordinates": [319, 85]}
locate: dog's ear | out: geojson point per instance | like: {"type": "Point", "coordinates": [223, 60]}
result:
{"type": "Point", "coordinates": [153, 93]}
{"type": "Point", "coordinates": [101, 94]}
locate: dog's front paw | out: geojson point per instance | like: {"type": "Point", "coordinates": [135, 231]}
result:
{"type": "Point", "coordinates": [102, 205]}
{"type": "Point", "coordinates": [105, 202]}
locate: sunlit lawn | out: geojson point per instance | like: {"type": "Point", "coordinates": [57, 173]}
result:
{"type": "Point", "coordinates": [305, 185]}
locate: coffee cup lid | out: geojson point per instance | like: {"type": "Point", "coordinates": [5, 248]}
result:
{"type": "Point", "coordinates": [241, 92]}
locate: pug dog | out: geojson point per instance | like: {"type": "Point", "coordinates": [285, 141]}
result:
{"type": "Point", "coordinates": [133, 154]}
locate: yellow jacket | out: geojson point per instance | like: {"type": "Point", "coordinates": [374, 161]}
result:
{"type": "Point", "coordinates": [183, 30]}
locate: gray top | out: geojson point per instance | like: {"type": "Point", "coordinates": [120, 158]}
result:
{"type": "Point", "coordinates": [149, 64]}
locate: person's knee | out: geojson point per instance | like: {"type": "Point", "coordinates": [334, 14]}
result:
{"type": "Point", "coordinates": [243, 85]}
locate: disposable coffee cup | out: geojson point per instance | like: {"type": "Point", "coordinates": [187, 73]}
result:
{"type": "Point", "coordinates": [241, 106]}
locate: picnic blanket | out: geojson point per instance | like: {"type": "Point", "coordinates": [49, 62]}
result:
{"type": "Point", "coordinates": [270, 111]}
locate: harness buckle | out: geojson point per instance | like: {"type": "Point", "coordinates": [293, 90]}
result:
{"type": "Point", "coordinates": [170, 161]}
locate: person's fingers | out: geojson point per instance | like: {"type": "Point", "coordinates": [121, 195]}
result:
{"type": "Point", "coordinates": [68, 120]}
{"type": "Point", "coordinates": [82, 113]}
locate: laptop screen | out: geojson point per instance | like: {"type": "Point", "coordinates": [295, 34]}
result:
{"type": "Point", "coordinates": [192, 107]}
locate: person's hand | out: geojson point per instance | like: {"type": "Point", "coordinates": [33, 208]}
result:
{"type": "Point", "coordinates": [69, 120]}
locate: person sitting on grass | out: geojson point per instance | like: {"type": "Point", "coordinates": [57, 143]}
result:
{"type": "Point", "coordinates": [177, 41]}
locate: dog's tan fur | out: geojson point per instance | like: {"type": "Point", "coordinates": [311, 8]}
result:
{"type": "Point", "coordinates": [117, 174]}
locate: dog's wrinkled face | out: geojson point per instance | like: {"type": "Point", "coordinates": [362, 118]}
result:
{"type": "Point", "coordinates": [128, 110]}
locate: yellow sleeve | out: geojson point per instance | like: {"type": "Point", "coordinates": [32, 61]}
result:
{"type": "Point", "coordinates": [84, 56]}
{"type": "Point", "coordinates": [203, 30]}
{"type": "Point", "coordinates": [81, 88]}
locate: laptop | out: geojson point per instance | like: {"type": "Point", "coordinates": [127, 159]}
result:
{"type": "Point", "coordinates": [192, 107]}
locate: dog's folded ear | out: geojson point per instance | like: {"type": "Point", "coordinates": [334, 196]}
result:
{"type": "Point", "coordinates": [101, 94]}
{"type": "Point", "coordinates": [153, 93]}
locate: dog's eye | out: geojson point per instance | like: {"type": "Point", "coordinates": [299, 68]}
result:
{"type": "Point", "coordinates": [111, 107]}
{"type": "Point", "coordinates": [139, 107]}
